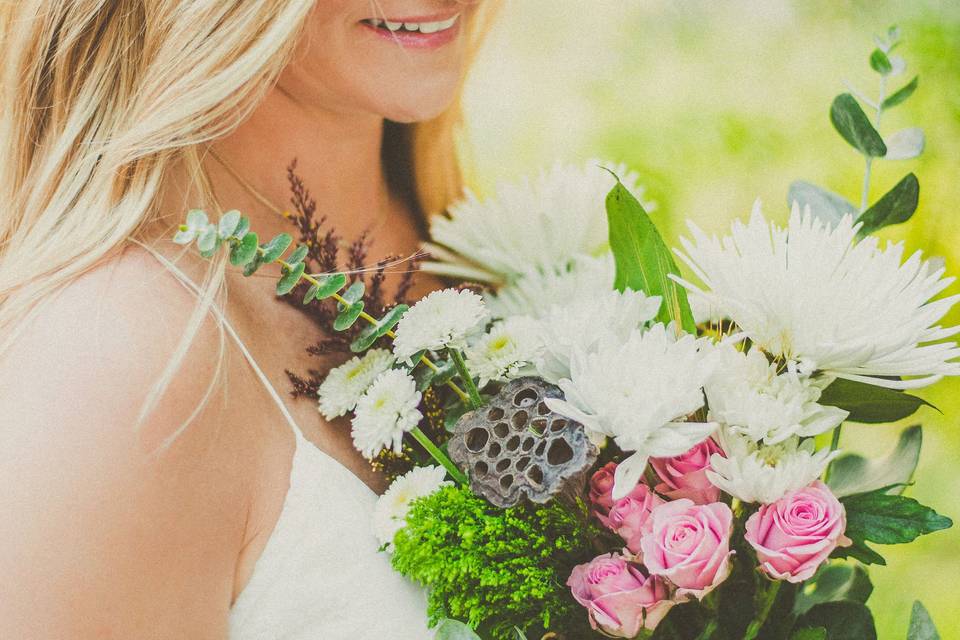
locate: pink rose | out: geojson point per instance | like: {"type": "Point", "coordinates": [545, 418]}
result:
{"type": "Point", "coordinates": [619, 599]}
{"type": "Point", "coordinates": [601, 488]}
{"type": "Point", "coordinates": [629, 516]}
{"type": "Point", "coordinates": [689, 545]}
{"type": "Point", "coordinates": [795, 534]}
{"type": "Point", "coordinates": [685, 476]}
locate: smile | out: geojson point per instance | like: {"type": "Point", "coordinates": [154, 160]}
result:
{"type": "Point", "coordinates": [423, 33]}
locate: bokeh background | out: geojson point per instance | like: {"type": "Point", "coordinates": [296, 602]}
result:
{"type": "Point", "coordinates": [715, 104]}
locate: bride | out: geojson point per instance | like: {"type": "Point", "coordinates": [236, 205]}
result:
{"type": "Point", "coordinates": [156, 479]}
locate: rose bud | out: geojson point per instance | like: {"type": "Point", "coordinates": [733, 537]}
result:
{"type": "Point", "coordinates": [629, 516]}
{"type": "Point", "coordinates": [619, 599]}
{"type": "Point", "coordinates": [689, 545]}
{"type": "Point", "coordinates": [685, 476]}
{"type": "Point", "coordinates": [601, 488]}
{"type": "Point", "coordinates": [795, 534]}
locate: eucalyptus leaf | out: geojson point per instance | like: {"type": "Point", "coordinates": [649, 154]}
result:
{"type": "Point", "coordinates": [290, 279]}
{"type": "Point", "coordinates": [842, 620]}
{"type": "Point", "coordinates": [901, 94]}
{"type": "Point", "coordinates": [853, 125]}
{"type": "Point", "coordinates": [298, 255]}
{"type": "Point", "coordinates": [244, 251]}
{"type": "Point", "coordinates": [852, 473]}
{"type": "Point", "coordinates": [869, 403]}
{"type": "Point", "coordinates": [354, 292]}
{"type": "Point", "coordinates": [242, 227]}
{"type": "Point", "coordinates": [921, 625]}
{"type": "Point", "coordinates": [824, 204]}
{"type": "Point", "coordinates": [905, 144]}
{"type": "Point", "coordinates": [251, 267]}
{"type": "Point", "coordinates": [454, 630]}
{"type": "Point", "coordinates": [889, 519]}
{"type": "Point", "coordinates": [311, 293]}
{"type": "Point", "coordinates": [643, 261]}
{"type": "Point", "coordinates": [834, 582]}
{"type": "Point", "coordinates": [899, 65]}
{"type": "Point", "coordinates": [276, 247]}
{"type": "Point", "coordinates": [880, 63]}
{"type": "Point", "coordinates": [184, 236]}
{"type": "Point", "coordinates": [208, 239]}
{"type": "Point", "coordinates": [228, 223]}
{"type": "Point", "coordinates": [365, 340]}
{"type": "Point", "coordinates": [391, 318]}
{"type": "Point", "coordinates": [895, 207]}
{"type": "Point", "coordinates": [330, 285]}
{"type": "Point", "coordinates": [348, 316]}
{"type": "Point", "coordinates": [197, 219]}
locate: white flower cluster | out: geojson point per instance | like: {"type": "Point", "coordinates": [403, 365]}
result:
{"type": "Point", "coordinates": [390, 512]}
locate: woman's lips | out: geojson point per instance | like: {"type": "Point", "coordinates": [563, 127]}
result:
{"type": "Point", "coordinates": [427, 32]}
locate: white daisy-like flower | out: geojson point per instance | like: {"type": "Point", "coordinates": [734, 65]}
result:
{"type": "Point", "coordinates": [343, 386]}
{"type": "Point", "coordinates": [539, 224]}
{"type": "Point", "coordinates": [385, 412]}
{"type": "Point", "coordinates": [639, 392]}
{"type": "Point", "coordinates": [581, 324]}
{"type": "Point", "coordinates": [444, 318]}
{"type": "Point", "coordinates": [535, 292]}
{"type": "Point", "coordinates": [761, 473]}
{"type": "Point", "coordinates": [747, 394]}
{"type": "Point", "coordinates": [811, 293]}
{"type": "Point", "coordinates": [390, 512]}
{"type": "Point", "coordinates": [505, 352]}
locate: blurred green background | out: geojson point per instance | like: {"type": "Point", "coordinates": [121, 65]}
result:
{"type": "Point", "coordinates": [715, 104]}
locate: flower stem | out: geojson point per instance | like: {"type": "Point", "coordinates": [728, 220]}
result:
{"type": "Point", "coordinates": [708, 630]}
{"type": "Point", "coordinates": [437, 454]}
{"type": "Point", "coordinates": [765, 606]}
{"type": "Point", "coordinates": [865, 194]}
{"type": "Point", "coordinates": [475, 400]}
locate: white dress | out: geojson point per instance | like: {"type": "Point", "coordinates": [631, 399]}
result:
{"type": "Point", "coordinates": [321, 576]}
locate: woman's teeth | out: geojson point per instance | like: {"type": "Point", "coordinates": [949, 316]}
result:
{"type": "Point", "coordinates": [420, 27]}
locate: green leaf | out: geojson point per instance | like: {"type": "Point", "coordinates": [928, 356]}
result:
{"type": "Point", "coordinates": [365, 340]}
{"type": "Point", "coordinates": [852, 123]}
{"type": "Point", "coordinates": [276, 247]}
{"type": "Point", "coordinates": [242, 227]}
{"type": "Point", "coordinates": [391, 318]}
{"type": "Point", "coordinates": [643, 260]}
{"type": "Point", "coordinates": [852, 473]}
{"type": "Point", "coordinates": [869, 403]}
{"type": "Point", "coordinates": [297, 256]}
{"type": "Point", "coordinates": [184, 236]}
{"type": "Point", "coordinates": [330, 285]}
{"type": "Point", "coordinates": [834, 582]}
{"type": "Point", "coordinates": [921, 625]}
{"type": "Point", "coordinates": [844, 620]}
{"type": "Point", "coordinates": [348, 316]}
{"type": "Point", "coordinates": [896, 206]}
{"type": "Point", "coordinates": [880, 63]}
{"type": "Point", "coordinates": [245, 250]}
{"type": "Point", "coordinates": [252, 266]}
{"type": "Point", "coordinates": [197, 219]}
{"type": "Point", "coordinates": [454, 630]}
{"type": "Point", "coordinates": [311, 293]}
{"type": "Point", "coordinates": [905, 144]}
{"type": "Point", "coordinates": [901, 94]}
{"type": "Point", "coordinates": [208, 239]}
{"type": "Point", "coordinates": [354, 292]}
{"type": "Point", "coordinates": [228, 223]}
{"type": "Point", "coordinates": [809, 633]}
{"type": "Point", "coordinates": [859, 551]}
{"type": "Point", "coordinates": [825, 205]}
{"type": "Point", "coordinates": [427, 377]}
{"type": "Point", "coordinates": [889, 519]}
{"type": "Point", "coordinates": [290, 279]}
{"type": "Point", "coordinates": [376, 331]}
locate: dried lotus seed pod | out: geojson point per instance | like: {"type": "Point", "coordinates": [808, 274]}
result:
{"type": "Point", "coordinates": [515, 446]}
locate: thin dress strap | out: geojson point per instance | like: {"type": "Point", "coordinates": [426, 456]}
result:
{"type": "Point", "coordinates": [185, 280]}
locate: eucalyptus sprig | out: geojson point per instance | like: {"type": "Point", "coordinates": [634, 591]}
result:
{"type": "Point", "coordinates": [863, 134]}
{"type": "Point", "coordinates": [233, 231]}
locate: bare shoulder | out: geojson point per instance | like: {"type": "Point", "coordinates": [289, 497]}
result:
{"type": "Point", "coordinates": [97, 509]}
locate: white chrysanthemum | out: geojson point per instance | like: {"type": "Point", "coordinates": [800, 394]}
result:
{"type": "Point", "coordinates": [507, 351]}
{"type": "Point", "coordinates": [535, 292]}
{"type": "Point", "coordinates": [754, 472]}
{"type": "Point", "coordinates": [640, 391]}
{"type": "Point", "coordinates": [540, 224]}
{"type": "Point", "coordinates": [344, 385]}
{"type": "Point", "coordinates": [445, 318]}
{"type": "Point", "coordinates": [390, 512]}
{"type": "Point", "coordinates": [813, 294]}
{"type": "Point", "coordinates": [582, 323]}
{"type": "Point", "coordinates": [746, 394]}
{"type": "Point", "coordinates": [385, 412]}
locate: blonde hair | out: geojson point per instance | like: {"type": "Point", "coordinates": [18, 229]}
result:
{"type": "Point", "coordinates": [100, 98]}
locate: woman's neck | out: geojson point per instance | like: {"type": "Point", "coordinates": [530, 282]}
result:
{"type": "Point", "coordinates": [338, 158]}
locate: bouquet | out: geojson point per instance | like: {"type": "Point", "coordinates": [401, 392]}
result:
{"type": "Point", "coordinates": [589, 441]}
